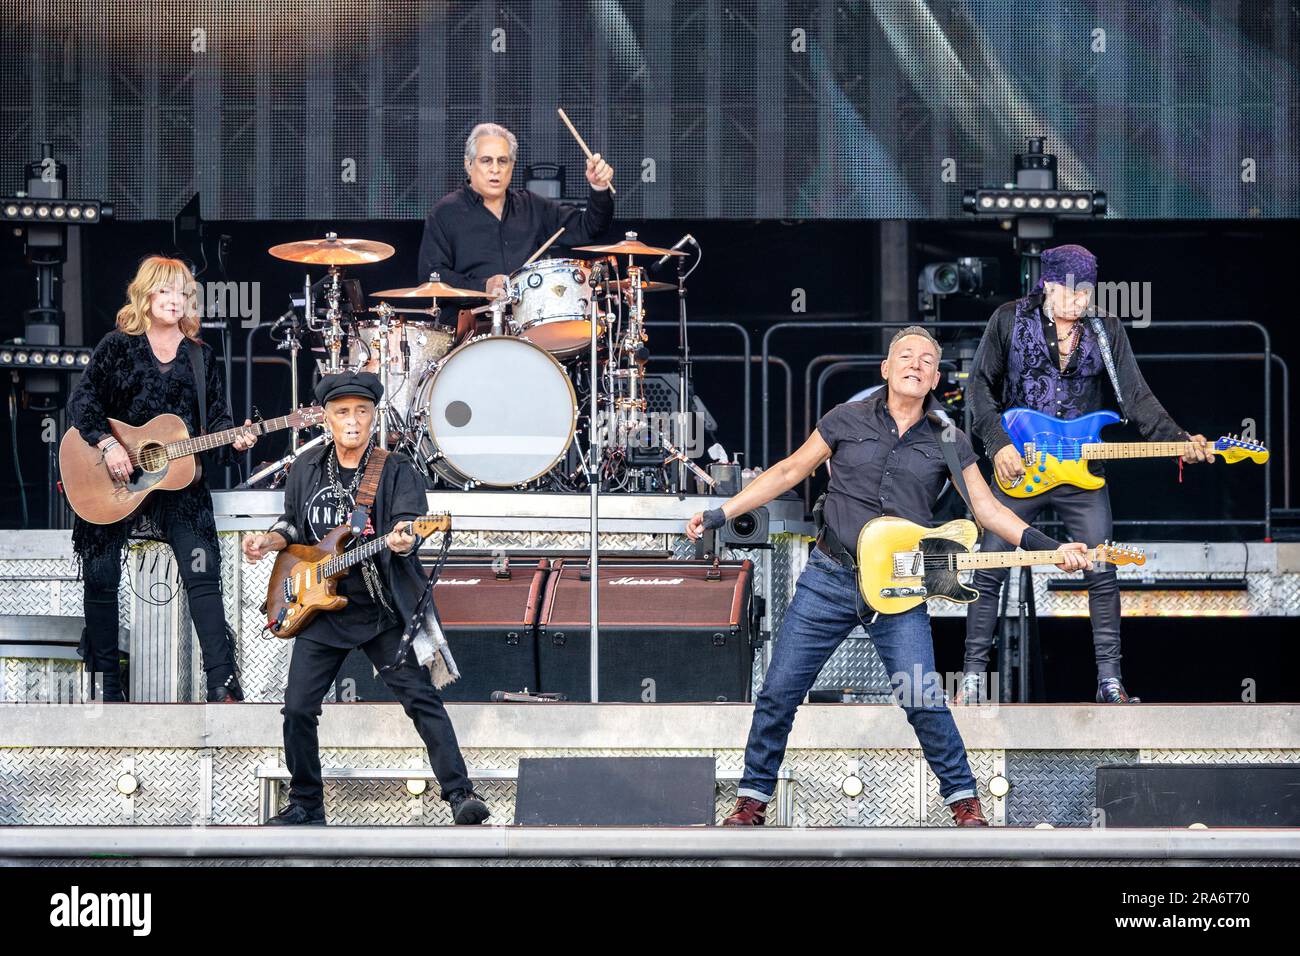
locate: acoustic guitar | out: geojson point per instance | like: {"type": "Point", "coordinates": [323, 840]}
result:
{"type": "Point", "coordinates": [901, 564]}
{"type": "Point", "coordinates": [162, 455]}
{"type": "Point", "coordinates": [304, 579]}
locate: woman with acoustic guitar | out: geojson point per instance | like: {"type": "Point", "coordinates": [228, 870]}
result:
{"type": "Point", "coordinates": [148, 366]}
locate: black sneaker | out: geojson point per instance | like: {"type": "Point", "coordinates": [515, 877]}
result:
{"type": "Point", "coordinates": [297, 815]}
{"type": "Point", "coordinates": [466, 808]}
{"type": "Point", "coordinates": [1111, 691]}
{"type": "Point", "coordinates": [227, 692]}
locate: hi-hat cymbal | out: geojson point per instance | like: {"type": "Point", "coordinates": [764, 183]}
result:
{"type": "Point", "coordinates": [433, 289]}
{"type": "Point", "coordinates": [630, 247]}
{"type": "Point", "coordinates": [333, 251]}
{"type": "Point", "coordinates": [646, 285]}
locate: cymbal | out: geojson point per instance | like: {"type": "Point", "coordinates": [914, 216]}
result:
{"type": "Point", "coordinates": [429, 290]}
{"type": "Point", "coordinates": [333, 251]}
{"type": "Point", "coordinates": [630, 247]}
{"type": "Point", "coordinates": [646, 286]}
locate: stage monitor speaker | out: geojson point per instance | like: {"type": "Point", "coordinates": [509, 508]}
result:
{"type": "Point", "coordinates": [489, 614]}
{"type": "Point", "coordinates": [670, 631]}
{"type": "Point", "coordinates": [1217, 795]}
{"type": "Point", "coordinates": [615, 791]}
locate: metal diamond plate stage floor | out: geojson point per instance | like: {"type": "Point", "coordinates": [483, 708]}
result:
{"type": "Point", "coordinates": [201, 776]}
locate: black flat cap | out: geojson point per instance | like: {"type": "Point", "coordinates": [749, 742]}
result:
{"type": "Point", "coordinates": [349, 384]}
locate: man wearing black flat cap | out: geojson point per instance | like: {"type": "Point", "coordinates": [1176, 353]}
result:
{"type": "Point", "coordinates": [382, 594]}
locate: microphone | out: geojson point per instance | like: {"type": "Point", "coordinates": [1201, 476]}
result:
{"type": "Point", "coordinates": [681, 243]}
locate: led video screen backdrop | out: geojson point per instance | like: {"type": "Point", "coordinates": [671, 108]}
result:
{"type": "Point", "coordinates": [290, 109]}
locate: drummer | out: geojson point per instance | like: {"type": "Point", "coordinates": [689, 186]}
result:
{"type": "Point", "coordinates": [479, 234]}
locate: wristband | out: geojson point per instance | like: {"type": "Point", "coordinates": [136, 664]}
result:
{"type": "Point", "coordinates": [1031, 539]}
{"type": "Point", "coordinates": [714, 518]}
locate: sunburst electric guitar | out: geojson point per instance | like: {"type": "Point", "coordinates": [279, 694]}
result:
{"type": "Point", "coordinates": [305, 577]}
{"type": "Point", "coordinates": [901, 564]}
{"type": "Point", "coordinates": [1057, 451]}
{"type": "Point", "coordinates": [163, 458]}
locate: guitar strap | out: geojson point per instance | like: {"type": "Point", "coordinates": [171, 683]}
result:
{"type": "Point", "coordinates": [200, 382]}
{"type": "Point", "coordinates": [1099, 329]}
{"type": "Point", "coordinates": [367, 489]}
{"type": "Point", "coordinates": [949, 450]}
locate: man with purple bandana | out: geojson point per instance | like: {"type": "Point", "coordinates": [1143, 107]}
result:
{"type": "Point", "coordinates": [1036, 353]}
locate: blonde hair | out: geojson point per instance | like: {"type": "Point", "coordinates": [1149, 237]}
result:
{"type": "Point", "coordinates": [154, 273]}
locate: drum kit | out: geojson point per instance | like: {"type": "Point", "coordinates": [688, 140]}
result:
{"type": "Point", "coordinates": [491, 396]}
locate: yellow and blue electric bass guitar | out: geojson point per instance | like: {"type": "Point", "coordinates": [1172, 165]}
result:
{"type": "Point", "coordinates": [1057, 452]}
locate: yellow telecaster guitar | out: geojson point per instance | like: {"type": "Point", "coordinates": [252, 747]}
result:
{"type": "Point", "coordinates": [901, 564]}
{"type": "Point", "coordinates": [1056, 451]}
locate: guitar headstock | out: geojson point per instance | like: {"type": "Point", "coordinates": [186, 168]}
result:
{"type": "Point", "coordinates": [1233, 449]}
{"type": "Point", "coordinates": [431, 524]}
{"type": "Point", "coordinates": [306, 417]}
{"type": "Point", "coordinates": [1117, 554]}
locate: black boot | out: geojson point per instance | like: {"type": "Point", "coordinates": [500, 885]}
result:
{"type": "Point", "coordinates": [1111, 691]}
{"type": "Point", "coordinates": [297, 815]}
{"type": "Point", "coordinates": [466, 807]}
{"type": "Point", "coordinates": [227, 692]}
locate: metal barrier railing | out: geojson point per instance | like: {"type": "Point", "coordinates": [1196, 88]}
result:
{"type": "Point", "coordinates": [749, 352]}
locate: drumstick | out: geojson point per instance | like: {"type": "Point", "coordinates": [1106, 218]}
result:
{"type": "Point", "coordinates": [544, 246]}
{"type": "Point", "coordinates": [612, 190]}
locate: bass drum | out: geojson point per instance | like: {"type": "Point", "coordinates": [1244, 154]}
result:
{"type": "Point", "coordinates": [498, 411]}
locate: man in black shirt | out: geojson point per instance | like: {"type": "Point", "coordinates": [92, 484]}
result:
{"type": "Point", "coordinates": [1041, 353]}
{"type": "Point", "coordinates": [478, 235]}
{"type": "Point", "coordinates": [885, 460]}
{"type": "Point", "coordinates": [382, 593]}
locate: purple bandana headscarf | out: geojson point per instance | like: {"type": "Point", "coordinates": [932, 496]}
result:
{"type": "Point", "coordinates": [1067, 264]}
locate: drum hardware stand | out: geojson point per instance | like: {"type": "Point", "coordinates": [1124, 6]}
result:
{"type": "Point", "coordinates": [276, 466]}
{"type": "Point", "coordinates": [333, 331]}
{"type": "Point", "coordinates": [684, 463]}
{"type": "Point", "coordinates": [293, 342]}
{"type": "Point", "coordinates": [385, 313]}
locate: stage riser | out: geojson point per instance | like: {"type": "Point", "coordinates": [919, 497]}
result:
{"type": "Point", "coordinates": [164, 649]}
{"type": "Point", "coordinates": [185, 786]}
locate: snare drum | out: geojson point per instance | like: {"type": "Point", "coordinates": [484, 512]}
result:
{"type": "Point", "coordinates": [553, 309]}
{"type": "Point", "coordinates": [499, 411]}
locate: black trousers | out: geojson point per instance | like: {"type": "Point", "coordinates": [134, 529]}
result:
{"type": "Point", "coordinates": [199, 563]}
{"type": "Point", "coordinates": [1087, 518]}
{"type": "Point", "coordinates": [312, 670]}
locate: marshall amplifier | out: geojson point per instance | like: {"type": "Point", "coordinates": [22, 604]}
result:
{"type": "Point", "coordinates": [670, 631]}
{"type": "Point", "coordinates": [489, 614]}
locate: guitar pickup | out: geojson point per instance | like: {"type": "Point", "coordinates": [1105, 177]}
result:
{"type": "Point", "coordinates": [909, 564]}
{"type": "Point", "coordinates": [904, 592]}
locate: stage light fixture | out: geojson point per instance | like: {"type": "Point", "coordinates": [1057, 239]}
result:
{"type": "Point", "coordinates": [46, 210]}
{"type": "Point", "coordinates": [999, 785]}
{"type": "Point", "coordinates": [65, 358]}
{"type": "Point", "coordinates": [852, 786]}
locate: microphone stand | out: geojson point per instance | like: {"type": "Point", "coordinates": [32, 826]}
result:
{"type": "Point", "coordinates": [683, 369]}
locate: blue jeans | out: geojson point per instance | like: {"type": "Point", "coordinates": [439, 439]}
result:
{"type": "Point", "coordinates": [822, 614]}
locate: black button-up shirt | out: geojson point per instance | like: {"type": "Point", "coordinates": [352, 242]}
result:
{"type": "Point", "coordinates": [991, 389]}
{"type": "Point", "coordinates": [875, 471]}
{"type": "Point", "coordinates": [466, 244]}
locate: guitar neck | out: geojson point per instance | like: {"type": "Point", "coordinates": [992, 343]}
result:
{"type": "Point", "coordinates": [1011, 559]}
{"type": "Point", "coordinates": [342, 562]}
{"type": "Point", "coordinates": [1136, 449]}
{"type": "Point", "coordinates": [201, 443]}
